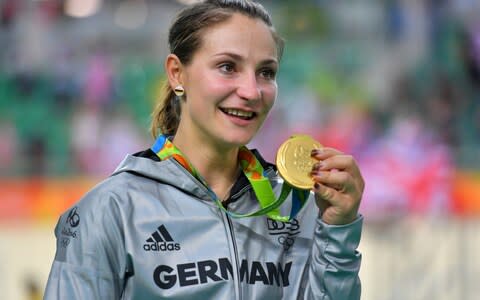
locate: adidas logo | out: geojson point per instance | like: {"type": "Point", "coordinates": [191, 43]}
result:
{"type": "Point", "coordinates": [161, 240]}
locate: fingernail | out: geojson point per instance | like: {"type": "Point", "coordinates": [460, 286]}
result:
{"type": "Point", "coordinates": [316, 167]}
{"type": "Point", "coordinates": [315, 173]}
{"type": "Point", "coordinates": [315, 152]}
{"type": "Point", "coordinates": [316, 185]}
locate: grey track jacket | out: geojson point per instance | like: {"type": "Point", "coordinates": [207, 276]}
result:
{"type": "Point", "coordinates": [151, 231]}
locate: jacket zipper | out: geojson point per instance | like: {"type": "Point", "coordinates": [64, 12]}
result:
{"type": "Point", "coordinates": [235, 265]}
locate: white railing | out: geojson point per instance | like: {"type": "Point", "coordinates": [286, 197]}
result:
{"type": "Point", "coordinates": [421, 259]}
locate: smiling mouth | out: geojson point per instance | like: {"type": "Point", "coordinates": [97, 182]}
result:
{"type": "Point", "coordinates": [244, 115]}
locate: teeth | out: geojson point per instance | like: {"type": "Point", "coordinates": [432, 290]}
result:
{"type": "Point", "coordinates": [239, 113]}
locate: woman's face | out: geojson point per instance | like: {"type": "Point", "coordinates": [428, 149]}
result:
{"type": "Point", "coordinates": [230, 83]}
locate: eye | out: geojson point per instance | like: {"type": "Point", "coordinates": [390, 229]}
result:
{"type": "Point", "coordinates": [268, 73]}
{"type": "Point", "coordinates": [227, 67]}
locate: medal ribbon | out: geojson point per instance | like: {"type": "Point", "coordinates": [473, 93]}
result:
{"type": "Point", "coordinates": [255, 174]}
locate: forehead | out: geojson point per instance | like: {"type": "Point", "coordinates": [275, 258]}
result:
{"type": "Point", "coordinates": [239, 34]}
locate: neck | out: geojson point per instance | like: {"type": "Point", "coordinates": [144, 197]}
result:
{"type": "Point", "coordinates": [217, 165]}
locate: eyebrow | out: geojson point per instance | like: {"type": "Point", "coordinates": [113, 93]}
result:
{"type": "Point", "coordinates": [239, 57]}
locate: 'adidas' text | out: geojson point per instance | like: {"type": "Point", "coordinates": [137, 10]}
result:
{"type": "Point", "coordinates": [161, 240]}
{"type": "Point", "coordinates": [162, 246]}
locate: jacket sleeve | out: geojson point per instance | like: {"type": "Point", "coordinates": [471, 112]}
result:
{"type": "Point", "coordinates": [335, 262]}
{"type": "Point", "coordinates": [88, 261]}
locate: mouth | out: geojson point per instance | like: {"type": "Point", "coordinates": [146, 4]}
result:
{"type": "Point", "coordinates": [237, 113]}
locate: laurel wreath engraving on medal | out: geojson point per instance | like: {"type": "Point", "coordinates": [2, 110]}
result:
{"type": "Point", "coordinates": [302, 161]}
{"type": "Point", "coordinates": [294, 162]}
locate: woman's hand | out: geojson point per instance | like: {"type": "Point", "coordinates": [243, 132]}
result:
{"type": "Point", "coordinates": [338, 186]}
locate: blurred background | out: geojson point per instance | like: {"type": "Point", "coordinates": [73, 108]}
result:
{"type": "Point", "coordinates": [394, 82]}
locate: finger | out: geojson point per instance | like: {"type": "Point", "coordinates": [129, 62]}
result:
{"type": "Point", "coordinates": [324, 192]}
{"type": "Point", "coordinates": [324, 153]}
{"type": "Point", "coordinates": [323, 205]}
{"type": "Point", "coordinates": [342, 162]}
{"type": "Point", "coordinates": [337, 180]}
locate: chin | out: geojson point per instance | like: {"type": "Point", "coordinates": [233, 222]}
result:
{"type": "Point", "coordinates": [239, 139]}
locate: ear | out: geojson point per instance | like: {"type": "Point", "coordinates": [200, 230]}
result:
{"type": "Point", "coordinates": [174, 69]}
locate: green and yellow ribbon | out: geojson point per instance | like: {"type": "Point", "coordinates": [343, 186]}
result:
{"type": "Point", "coordinates": [253, 170]}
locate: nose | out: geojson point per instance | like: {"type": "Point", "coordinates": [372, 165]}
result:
{"type": "Point", "coordinates": [248, 87]}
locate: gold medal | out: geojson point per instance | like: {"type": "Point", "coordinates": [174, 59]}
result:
{"type": "Point", "coordinates": [294, 162]}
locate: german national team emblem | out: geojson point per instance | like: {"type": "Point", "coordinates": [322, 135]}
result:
{"type": "Point", "coordinates": [286, 231]}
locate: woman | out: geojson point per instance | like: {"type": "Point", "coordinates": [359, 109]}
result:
{"type": "Point", "coordinates": [165, 224]}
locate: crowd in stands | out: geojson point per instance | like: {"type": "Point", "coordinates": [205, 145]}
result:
{"type": "Point", "coordinates": [66, 111]}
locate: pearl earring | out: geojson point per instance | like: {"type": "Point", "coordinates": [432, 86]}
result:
{"type": "Point", "coordinates": [179, 90]}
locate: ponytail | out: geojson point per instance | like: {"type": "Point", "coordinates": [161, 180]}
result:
{"type": "Point", "coordinates": [166, 115]}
